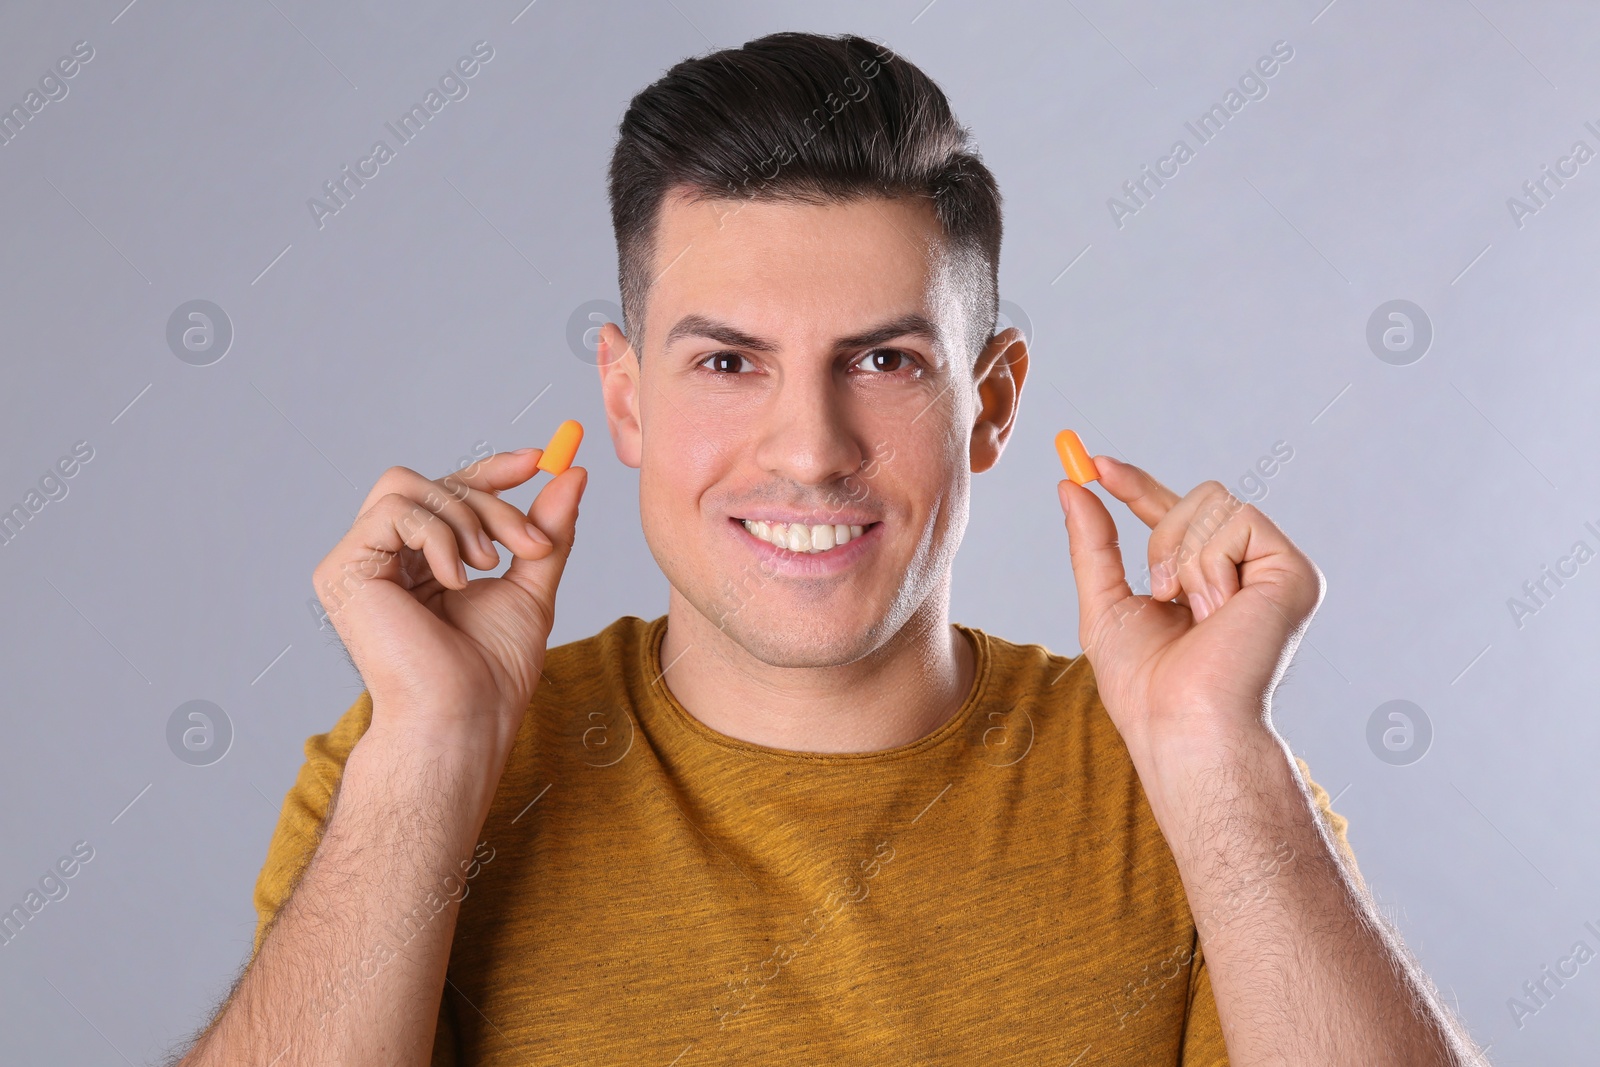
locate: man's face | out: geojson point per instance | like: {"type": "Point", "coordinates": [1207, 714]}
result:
{"type": "Point", "coordinates": [807, 366]}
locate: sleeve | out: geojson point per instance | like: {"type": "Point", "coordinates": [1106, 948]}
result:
{"type": "Point", "coordinates": [299, 831]}
{"type": "Point", "coordinates": [1203, 1045]}
{"type": "Point", "coordinates": [1202, 1026]}
{"type": "Point", "coordinates": [305, 808]}
{"type": "Point", "coordinates": [1336, 824]}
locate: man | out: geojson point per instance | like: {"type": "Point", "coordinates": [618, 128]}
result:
{"type": "Point", "coordinates": [802, 816]}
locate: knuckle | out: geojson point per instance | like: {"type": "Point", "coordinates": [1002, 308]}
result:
{"type": "Point", "coordinates": [432, 499]}
{"type": "Point", "coordinates": [427, 519]}
{"type": "Point", "coordinates": [1162, 543]}
{"type": "Point", "coordinates": [454, 489]}
{"type": "Point", "coordinates": [1209, 520]}
{"type": "Point", "coordinates": [413, 521]}
{"type": "Point", "coordinates": [396, 473]}
{"type": "Point", "coordinates": [393, 503]}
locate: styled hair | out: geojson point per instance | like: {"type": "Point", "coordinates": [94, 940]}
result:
{"type": "Point", "coordinates": [805, 118]}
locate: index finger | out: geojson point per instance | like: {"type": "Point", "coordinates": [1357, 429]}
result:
{"type": "Point", "coordinates": [1147, 498]}
{"type": "Point", "coordinates": [503, 470]}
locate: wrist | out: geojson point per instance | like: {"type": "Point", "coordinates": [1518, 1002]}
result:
{"type": "Point", "coordinates": [448, 774]}
{"type": "Point", "coordinates": [457, 732]}
{"type": "Point", "coordinates": [1207, 773]}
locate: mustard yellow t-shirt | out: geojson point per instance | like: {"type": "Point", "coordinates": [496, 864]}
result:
{"type": "Point", "coordinates": [651, 891]}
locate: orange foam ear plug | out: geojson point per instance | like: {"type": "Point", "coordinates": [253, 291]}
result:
{"type": "Point", "coordinates": [1075, 458]}
{"type": "Point", "coordinates": [563, 447]}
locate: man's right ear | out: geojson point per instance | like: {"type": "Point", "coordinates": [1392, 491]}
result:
{"type": "Point", "coordinates": [619, 390]}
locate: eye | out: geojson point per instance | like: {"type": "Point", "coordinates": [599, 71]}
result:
{"type": "Point", "coordinates": [723, 362]}
{"type": "Point", "coordinates": [887, 361]}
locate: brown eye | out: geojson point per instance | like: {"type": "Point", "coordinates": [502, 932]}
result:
{"type": "Point", "coordinates": [723, 362]}
{"type": "Point", "coordinates": [884, 360]}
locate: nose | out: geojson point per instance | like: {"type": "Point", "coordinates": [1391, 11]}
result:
{"type": "Point", "coordinates": [807, 437]}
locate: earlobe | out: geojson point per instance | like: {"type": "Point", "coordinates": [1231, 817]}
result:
{"type": "Point", "coordinates": [619, 391]}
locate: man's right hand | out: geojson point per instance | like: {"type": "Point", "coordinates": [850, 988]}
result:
{"type": "Point", "coordinates": [445, 659]}
{"type": "Point", "coordinates": [451, 666]}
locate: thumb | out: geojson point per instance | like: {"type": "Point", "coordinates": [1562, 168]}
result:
{"type": "Point", "coordinates": [555, 512]}
{"type": "Point", "coordinates": [1096, 557]}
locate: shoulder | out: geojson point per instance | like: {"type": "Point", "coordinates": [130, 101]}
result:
{"type": "Point", "coordinates": [326, 752]}
{"type": "Point", "coordinates": [1053, 696]}
{"type": "Point", "coordinates": [1032, 665]}
{"type": "Point", "coordinates": [1077, 787]}
{"type": "Point", "coordinates": [587, 670]}
{"type": "Point", "coordinates": [1067, 716]}
{"type": "Point", "coordinates": [1049, 683]}
{"type": "Point", "coordinates": [588, 694]}
{"type": "Point", "coordinates": [602, 666]}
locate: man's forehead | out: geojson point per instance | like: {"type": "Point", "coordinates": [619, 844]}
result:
{"type": "Point", "coordinates": [874, 268]}
{"type": "Point", "coordinates": [905, 228]}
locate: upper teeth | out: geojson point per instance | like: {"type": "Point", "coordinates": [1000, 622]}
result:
{"type": "Point", "coordinates": [798, 537]}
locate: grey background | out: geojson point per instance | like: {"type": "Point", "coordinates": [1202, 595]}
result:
{"type": "Point", "coordinates": [1229, 314]}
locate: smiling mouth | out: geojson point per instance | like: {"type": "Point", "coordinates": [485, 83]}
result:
{"type": "Point", "coordinates": [805, 538]}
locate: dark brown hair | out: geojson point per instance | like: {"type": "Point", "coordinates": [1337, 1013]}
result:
{"type": "Point", "coordinates": [800, 117]}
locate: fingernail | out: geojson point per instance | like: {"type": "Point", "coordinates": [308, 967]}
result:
{"type": "Point", "coordinates": [521, 451]}
{"type": "Point", "coordinates": [486, 544]}
{"type": "Point", "coordinates": [461, 571]}
{"type": "Point", "coordinates": [1199, 606]}
{"type": "Point", "coordinates": [537, 534]}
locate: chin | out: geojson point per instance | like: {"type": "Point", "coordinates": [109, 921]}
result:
{"type": "Point", "coordinates": [790, 639]}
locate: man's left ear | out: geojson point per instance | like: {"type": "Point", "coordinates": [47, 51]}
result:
{"type": "Point", "coordinates": [999, 373]}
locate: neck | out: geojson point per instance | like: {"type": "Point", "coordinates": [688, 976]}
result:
{"type": "Point", "coordinates": [892, 696]}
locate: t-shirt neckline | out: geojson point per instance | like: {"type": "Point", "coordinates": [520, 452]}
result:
{"type": "Point", "coordinates": [660, 691]}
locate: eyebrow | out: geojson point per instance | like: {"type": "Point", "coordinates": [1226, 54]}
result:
{"type": "Point", "coordinates": [911, 324]}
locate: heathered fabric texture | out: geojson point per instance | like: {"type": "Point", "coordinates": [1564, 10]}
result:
{"type": "Point", "coordinates": [655, 892]}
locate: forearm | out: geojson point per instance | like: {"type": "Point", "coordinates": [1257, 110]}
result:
{"type": "Point", "coordinates": [352, 971]}
{"type": "Point", "coordinates": [1302, 967]}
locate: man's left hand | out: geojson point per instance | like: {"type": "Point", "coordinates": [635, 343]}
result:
{"type": "Point", "coordinates": [1195, 662]}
